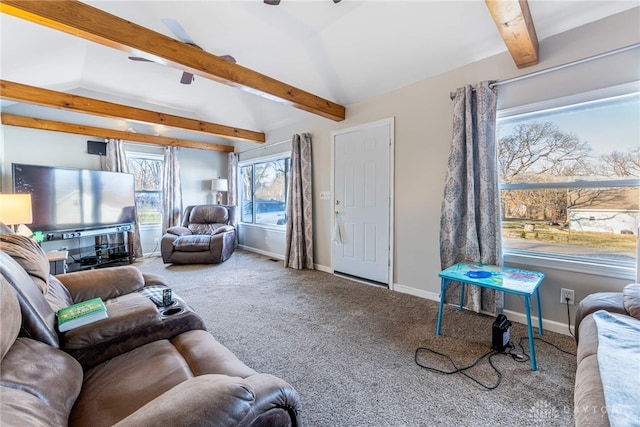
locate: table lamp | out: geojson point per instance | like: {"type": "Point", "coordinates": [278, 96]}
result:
{"type": "Point", "coordinates": [15, 210]}
{"type": "Point", "coordinates": [219, 186]}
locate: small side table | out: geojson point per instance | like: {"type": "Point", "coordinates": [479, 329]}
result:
{"type": "Point", "coordinates": [505, 279]}
{"type": "Point", "coordinates": [57, 262]}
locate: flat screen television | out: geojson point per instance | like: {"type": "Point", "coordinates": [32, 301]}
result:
{"type": "Point", "coordinates": [75, 199]}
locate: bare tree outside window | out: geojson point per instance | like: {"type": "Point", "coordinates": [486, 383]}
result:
{"type": "Point", "coordinates": [147, 172]}
{"type": "Point", "coordinates": [264, 190]}
{"type": "Point", "coordinates": [569, 187]}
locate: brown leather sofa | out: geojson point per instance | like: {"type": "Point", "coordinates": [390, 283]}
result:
{"type": "Point", "coordinates": [133, 318]}
{"type": "Point", "coordinates": [207, 236]}
{"type": "Point", "coordinates": [589, 396]}
{"type": "Point", "coordinates": [183, 378]}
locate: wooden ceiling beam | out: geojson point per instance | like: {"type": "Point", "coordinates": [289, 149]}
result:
{"type": "Point", "coordinates": [82, 20]}
{"type": "Point", "coordinates": [515, 24]}
{"type": "Point", "coordinates": [50, 125]}
{"type": "Point", "coordinates": [64, 101]}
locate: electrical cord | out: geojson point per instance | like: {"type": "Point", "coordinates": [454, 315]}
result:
{"type": "Point", "coordinates": [458, 370]}
{"type": "Point", "coordinates": [519, 357]}
{"type": "Point", "coordinates": [153, 251]}
{"type": "Point", "coordinates": [544, 341]}
{"type": "Point", "coordinates": [569, 317]}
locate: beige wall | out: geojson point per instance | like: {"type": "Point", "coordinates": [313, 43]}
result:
{"type": "Point", "coordinates": [422, 115]}
{"type": "Point", "coordinates": [423, 125]}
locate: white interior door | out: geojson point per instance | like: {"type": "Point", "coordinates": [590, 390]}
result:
{"type": "Point", "coordinates": [362, 201]}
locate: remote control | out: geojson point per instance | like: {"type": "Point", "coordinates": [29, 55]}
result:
{"type": "Point", "coordinates": [167, 298]}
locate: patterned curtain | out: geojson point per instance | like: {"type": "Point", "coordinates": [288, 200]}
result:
{"type": "Point", "coordinates": [232, 179]}
{"type": "Point", "coordinates": [117, 162]}
{"type": "Point", "coordinates": [299, 238]}
{"type": "Point", "coordinates": [470, 228]}
{"type": "Point", "coordinates": [171, 189]}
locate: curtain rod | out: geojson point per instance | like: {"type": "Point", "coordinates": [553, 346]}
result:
{"type": "Point", "coordinates": [568, 64]}
{"type": "Point", "coordinates": [561, 66]}
{"type": "Point", "coordinates": [264, 147]}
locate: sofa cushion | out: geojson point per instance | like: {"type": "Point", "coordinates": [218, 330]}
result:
{"type": "Point", "coordinates": [38, 318]}
{"type": "Point", "coordinates": [120, 386]}
{"type": "Point", "coordinates": [631, 299]}
{"type": "Point", "coordinates": [40, 384]}
{"type": "Point", "coordinates": [11, 317]}
{"type": "Point", "coordinates": [219, 399]}
{"type": "Point", "coordinates": [28, 253]}
{"type": "Point", "coordinates": [192, 243]}
{"type": "Point", "coordinates": [58, 296]}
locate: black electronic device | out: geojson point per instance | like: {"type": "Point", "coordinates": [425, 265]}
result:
{"type": "Point", "coordinates": [501, 333]}
{"type": "Point", "coordinates": [67, 203]}
{"type": "Point", "coordinates": [97, 147]}
{"type": "Point", "coordinates": [91, 260]}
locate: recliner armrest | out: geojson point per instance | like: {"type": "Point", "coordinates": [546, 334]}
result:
{"type": "Point", "coordinates": [179, 231]}
{"type": "Point", "coordinates": [104, 283]}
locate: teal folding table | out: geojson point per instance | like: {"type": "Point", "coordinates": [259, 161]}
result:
{"type": "Point", "coordinates": [505, 279]}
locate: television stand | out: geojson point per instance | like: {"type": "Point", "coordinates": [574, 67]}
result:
{"type": "Point", "coordinates": [110, 248]}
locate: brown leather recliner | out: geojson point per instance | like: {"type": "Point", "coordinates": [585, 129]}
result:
{"type": "Point", "coordinates": [207, 236]}
{"type": "Point", "coordinates": [186, 378]}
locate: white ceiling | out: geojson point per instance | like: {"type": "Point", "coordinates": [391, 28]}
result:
{"type": "Point", "coordinates": [343, 52]}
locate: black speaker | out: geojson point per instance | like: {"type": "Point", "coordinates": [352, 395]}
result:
{"type": "Point", "coordinates": [97, 147]}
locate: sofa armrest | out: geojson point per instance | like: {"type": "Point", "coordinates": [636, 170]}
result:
{"type": "Point", "coordinates": [608, 301]}
{"type": "Point", "coordinates": [179, 231]}
{"type": "Point", "coordinates": [105, 283]}
{"type": "Point", "coordinates": [274, 397]}
{"type": "Point", "coordinates": [631, 299]}
{"type": "Point", "coordinates": [206, 400]}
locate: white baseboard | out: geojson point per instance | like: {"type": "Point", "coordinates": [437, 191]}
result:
{"type": "Point", "coordinates": [323, 268]}
{"type": "Point", "coordinates": [261, 252]}
{"type": "Point", "coordinates": [416, 292]}
{"type": "Point", "coordinates": [547, 325]}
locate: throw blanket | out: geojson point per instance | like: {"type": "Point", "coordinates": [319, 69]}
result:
{"type": "Point", "coordinates": [619, 361]}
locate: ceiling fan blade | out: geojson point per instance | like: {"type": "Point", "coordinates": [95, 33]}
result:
{"type": "Point", "coordinates": [187, 78]}
{"type": "Point", "coordinates": [138, 58]}
{"type": "Point", "coordinates": [337, 1]}
{"type": "Point", "coordinates": [177, 29]}
{"type": "Point", "coordinates": [272, 2]}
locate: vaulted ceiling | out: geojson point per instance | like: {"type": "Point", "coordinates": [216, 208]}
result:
{"type": "Point", "coordinates": [342, 53]}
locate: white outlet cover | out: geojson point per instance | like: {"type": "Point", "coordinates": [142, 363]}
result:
{"type": "Point", "coordinates": [325, 195]}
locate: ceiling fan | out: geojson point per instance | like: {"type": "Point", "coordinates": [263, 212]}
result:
{"type": "Point", "coordinates": [182, 35]}
{"type": "Point", "coordinates": [277, 2]}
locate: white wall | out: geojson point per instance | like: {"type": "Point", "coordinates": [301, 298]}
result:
{"type": "Point", "coordinates": [423, 114]}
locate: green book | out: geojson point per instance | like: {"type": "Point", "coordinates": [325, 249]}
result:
{"type": "Point", "coordinates": [81, 314]}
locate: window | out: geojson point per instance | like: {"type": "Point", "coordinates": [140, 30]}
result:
{"type": "Point", "coordinates": [263, 191]}
{"type": "Point", "coordinates": [569, 179]}
{"type": "Point", "coordinates": [147, 171]}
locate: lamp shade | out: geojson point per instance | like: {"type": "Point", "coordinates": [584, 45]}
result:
{"type": "Point", "coordinates": [15, 209]}
{"type": "Point", "coordinates": [219, 184]}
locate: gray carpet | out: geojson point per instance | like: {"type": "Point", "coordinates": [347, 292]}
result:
{"type": "Point", "coordinates": [348, 348]}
